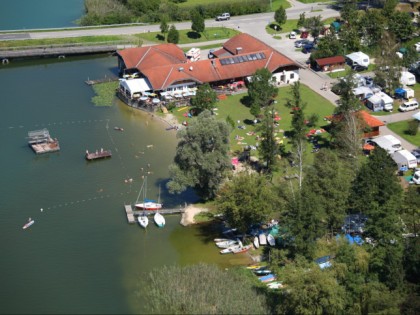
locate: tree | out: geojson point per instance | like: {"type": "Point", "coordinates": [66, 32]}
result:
{"type": "Point", "coordinates": [314, 25]}
{"type": "Point", "coordinates": [372, 25]}
{"type": "Point", "coordinates": [301, 21]}
{"type": "Point", "coordinates": [164, 27]}
{"type": "Point", "coordinates": [201, 159]}
{"type": "Point", "coordinates": [197, 20]}
{"type": "Point", "coordinates": [173, 35]}
{"type": "Point", "coordinates": [268, 147]}
{"type": "Point", "coordinates": [311, 290]}
{"type": "Point", "coordinates": [349, 12]}
{"type": "Point", "coordinates": [205, 98]}
{"type": "Point", "coordinates": [199, 289]}
{"type": "Point", "coordinates": [246, 200]}
{"type": "Point", "coordinates": [389, 7]}
{"type": "Point", "coordinates": [328, 46]}
{"type": "Point", "coordinates": [261, 90]}
{"type": "Point", "coordinates": [330, 179]}
{"type": "Point", "coordinates": [400, 25]}
{"type": "Point", "coordinates": [280, 16]}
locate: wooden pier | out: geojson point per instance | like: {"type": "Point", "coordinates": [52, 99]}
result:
{"type": "Point", "coordinates": [132, 213]}
{"type": "Point", "coordinates": [102, 154]}
{"type": "Point", "coordinates": [41, 142]}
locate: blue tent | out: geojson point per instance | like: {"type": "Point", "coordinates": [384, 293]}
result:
{"type": "Point", "coordinates": [358, 240]}
{"type": "Point", "coordinates": [350, 239]}
{"type": "Point", "coordinates": [399, 92]}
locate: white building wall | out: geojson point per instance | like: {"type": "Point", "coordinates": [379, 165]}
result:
{"type": "Point", "coordinates": [286, 77]}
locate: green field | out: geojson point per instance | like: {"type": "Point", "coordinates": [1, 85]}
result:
{"type": "Point", "coordinates": [290, 25]}
{"type": "Point", "coordinates": [275, 4]}
{"type": "Point", "coordinates": [400, 129]}
{"type": "Point", "coordinates": [234, 108]}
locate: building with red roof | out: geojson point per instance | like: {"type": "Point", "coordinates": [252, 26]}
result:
{"type": "Point", "coordinates": [164, 68]}
{"type": "Point", "coordinates": [331, 63]}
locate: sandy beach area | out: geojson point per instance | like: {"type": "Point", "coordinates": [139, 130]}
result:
{"type": "Point", "coordinates": [190, 212]}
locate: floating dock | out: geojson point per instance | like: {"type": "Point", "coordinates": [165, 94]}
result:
{"type": "Point", "coordinates": [102, 154]}
{"type": "Point", "coordinates": [41, 142]}
{"type": "Point", "coordinates": [132, 213]}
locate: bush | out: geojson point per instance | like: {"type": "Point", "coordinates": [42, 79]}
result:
{"type": "Point", "coordinates": [413, 127]}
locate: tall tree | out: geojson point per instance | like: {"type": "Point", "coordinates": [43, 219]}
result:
{"type": "Point", "coordinates": [246, 200]}
{"type": "Point", "coordinates": [268, 147]}
{"type": "Point", "coordinates": [401, 25]}
{"type": "Point", "coordinates": [261, 90]}
{"type": "Point", "coordinates": [173, 35]}
{"type": "Point", "coordinates": [201, 159]}
{"type": "Point", "coordinates": [205, 98]}
{"type": "Point", "coordinates": [181, 290]}
{"type": "Point", "coordinates": [372, 24]}
{"type": "Point", "coordinates": [197, 20]}
{"type": "Point", "coordinates": [314, 25]}
{"type": "Point", "coordinates": [164, 27]}
{"type": "Point", "coordinates": [301, 21]}
{"type": "Point", "coordinates": [349, 12]}
{"type": "Point", "coordinates": [330, 179]}
{"type": "Point", "coordinates": [280, 16]}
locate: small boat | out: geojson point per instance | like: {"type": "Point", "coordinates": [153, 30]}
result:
{"type": "Point", "coordinates": [216, 240]}
{"type": "Point", "coordinates": [271, 240]}
{"type": "Point", "coordinates": [268, 278]}
{"type": "Point", "coordinates": [229, 231]}
{"type": "Point", "coordinates": [242, 249]}
{"type": "Point", "coordinates": [274, 285]}
{"type": "Point", "coordinates": [143, 220]}
{"type": "Point", "coordinates": [263, 239]}
{"type": "Point", "coordinates": [226, 244]}
{"type": "Point", "coordinates": [256, 242]}
{"type": "Point", "coordinates": [28, 224]}
{"type": "Point", "coordinates": [118, 128]}
{"type": "Point", "coordinates": [230, 249]}
{"type": "Point", "coordinates": [159, 219]}
{"type": "Point", "coordinates": [149, 205]}
{"type": "Point", "coordinates": [263, 272]}
{"type": "Point", "coordinates": [254, 267]}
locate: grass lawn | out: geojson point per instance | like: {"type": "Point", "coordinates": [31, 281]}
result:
{"type": "Point", "coordinates": [400, 129]}
{"type": "Point", "coordinates": [234, 108]}
{"type": "Point", "coordinates": [290, 25]}
{"type": "Point", "coordinates": [275, 4]}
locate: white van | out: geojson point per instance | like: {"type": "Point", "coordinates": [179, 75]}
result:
{"type": "Point", "coordinates": [410, 105]}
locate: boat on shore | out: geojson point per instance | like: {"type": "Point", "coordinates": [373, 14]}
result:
{"type": "Point", "coordinates": [271, 240]}
{"type": "Point", "coordinates": [143, 220]}
{"type": "Point", "coordinates": [226, 244]}
{"type": "Point", "coordinates": [28, 224]}
{"type": "Point", "coordinates": [216, 240]}
{"type": "Point", "coordinates": [159, 219]}
{"type": "Point", "coordinates": [256, 242]}
{"type": "Point", "coordinates": [230, 249]}
{"type": "Point", "coordinates": [242, 249]}
{"type": "Point", "coordinates": [263, 239]}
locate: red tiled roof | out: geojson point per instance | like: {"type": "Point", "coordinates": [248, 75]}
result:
{"type": "Point", "coordinates": [161, 64]}
{"type": "Point", "coordinates": [330, 61]}
{"type": "Point", "coordinates": [371, 121]}
{"type": "Point", "coordinates": [149, 56]}
{"type": "Point", "coordinates": [221, 53]}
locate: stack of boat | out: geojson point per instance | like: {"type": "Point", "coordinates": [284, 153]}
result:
{"type": "Point", "coordinates": [266, 276]}
{"type": "Point", "coordinates": [231, 246]}
{"type": "Point", "coordinates": [263, 239]}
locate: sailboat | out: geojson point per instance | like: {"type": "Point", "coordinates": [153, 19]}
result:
{"type": "Point", "coordinates": [147, 204]}
{"type": "Point", "coordinates": [143, 220]}
{"type": "Point", "coordinates": [159, 219]}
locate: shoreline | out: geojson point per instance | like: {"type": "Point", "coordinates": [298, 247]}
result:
{"type": "Point", "coordinates": [190, 212]}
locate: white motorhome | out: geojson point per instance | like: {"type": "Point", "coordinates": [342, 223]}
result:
{"type": "Point", "coordinates": [193, 54]}
{"type": "Point", "coordinates": [388, 143]}
{"type": "Point", "coordinates": [404, 158]}
{"type": "Point", "coordinates": [416, 178]}
{"type": "Point", "coordinates": [358, 58]}
{"type": "Point", "coordinates": [407, 78]}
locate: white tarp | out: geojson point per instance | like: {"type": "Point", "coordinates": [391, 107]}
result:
{"type": "Point", "coordinates": [134, 86]}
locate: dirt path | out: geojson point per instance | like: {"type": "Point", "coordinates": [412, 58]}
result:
{"type": "Point", "coordinates": [190, 212]}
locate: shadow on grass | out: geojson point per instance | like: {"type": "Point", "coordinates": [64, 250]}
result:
{"type": "Point", "coordinates": [193, 35]}
{"type": "Point", "coordinates": [246, 101]}
{"type": "Point", "coordinates": [160, 37]}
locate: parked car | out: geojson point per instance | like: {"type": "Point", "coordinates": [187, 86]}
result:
{"type": "Point", "coordinates": [210, 54]}
{"type": "Point", "coordinates": [301, 42]}
{"type": "Point", "coordinates": [304, 35]}
{"type": "Point", "coordinates": [223, 17]}
{"type": "Point", "coordinates": [292, 35]}
{"type": "Point", "coordinates": [308, 48]}
{"type": "Point", "coordinates": [416, 153]}
{"type": "Point", "coordinates": [407, 106]}
{"type": "Point", "coordinates": [359, 68]}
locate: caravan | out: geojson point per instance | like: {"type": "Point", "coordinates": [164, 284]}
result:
{"type": "Point", "coordinates": [407, 78]}
{"type": "Point", "coordinates": [388, 143]}
{"type": "Point", "coordinates": [404, 158]}
{"type": "Point", "coordinates": [358, 59]}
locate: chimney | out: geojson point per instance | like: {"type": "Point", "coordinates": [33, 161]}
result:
{"type": "Point", "coordinates": [180, 69]}
{"type": "Point", "coordinates": [238, 50]}
{"type": "Point", "coordinates": [191, 68]}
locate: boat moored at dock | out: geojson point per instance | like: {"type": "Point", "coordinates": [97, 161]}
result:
{"type": "Point", "coordinates": [102, 154]}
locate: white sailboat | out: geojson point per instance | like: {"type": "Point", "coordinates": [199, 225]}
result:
{"type": "Point", "coordinates": [159, 219]}
{"type": "Point", "coordinates": [143, 220]}
{"type": "Point", "coordinates": [147, 204]}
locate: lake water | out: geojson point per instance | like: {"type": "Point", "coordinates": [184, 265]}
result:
{"type": "Point", "coordinates": [81, 255]}
{"type": "Point", "coordinates": [30, 14]}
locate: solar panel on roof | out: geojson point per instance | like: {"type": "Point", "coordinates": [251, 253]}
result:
{"type": "Point", "coordinates": [223, 61]}
{"type": "Point", "coordinates": [231, 60]}
{"type": "Point", "coordinates": [263, 55]}
{"type": "Point", "coordinates": [236, 59]}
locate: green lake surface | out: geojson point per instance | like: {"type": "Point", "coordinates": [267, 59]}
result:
{"type": "Point", "coordinates": [30, 14]}
{"type": "Point", "coordinates": [81, 255]}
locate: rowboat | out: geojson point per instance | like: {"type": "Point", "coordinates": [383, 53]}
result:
{"type": "Point", "coordinates": [242, 249]}
{"type": "Point", "coordinates": [262, 272]}
{"type": "Point", "coordinates": [271, 240]}
{"type": "Point", "coordinates": [226, 244]}
{"type": "Point", "coordinates": [268, 278]}
{"type": "Point", "coordinates": [254, 267]}
{"type": "Point", "coordinates": [28, 224]}
{"type": "Point", "coordinates": [221, 239]}
{"type": "Point", "coordinates": [256, 242]}
{"type": "Point", "coordinates": [274, 285]}
{"type": "Point", "coordinates": [143, 220]}
{"type": "Point", "coordinates": [263, 239]}
{"type": "Point", "coordinates": [159, 219]}
{"type": "Point", "coordinates": [230, 249]}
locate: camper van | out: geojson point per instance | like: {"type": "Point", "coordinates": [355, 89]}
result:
{"type": "Point", "coordinates": [389, 143]}
{"type": "Point", "coordinates": [404, 158]}
{"type": "Point", "coordinates": [407, 78]}
{"type": "Point", "coordinates": [358, 58]}
{"type": "Point", "coordinates": [416, 178]}
{"type": "Point", "coordinates": [193, 54]}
